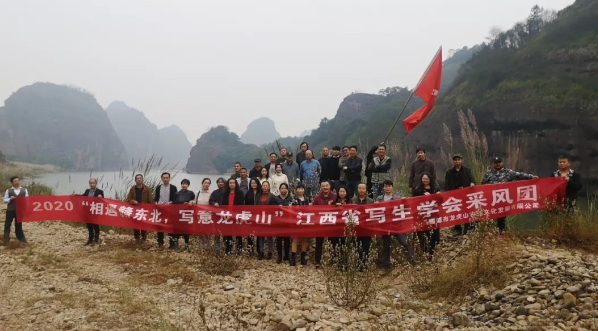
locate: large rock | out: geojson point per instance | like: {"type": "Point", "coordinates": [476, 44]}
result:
{"type": "Point", "coordinates": [55, 124]}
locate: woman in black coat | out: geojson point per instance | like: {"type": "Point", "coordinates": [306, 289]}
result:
{"type": "Point", "coordinates": [265, 198]}
{"type": "Point", "coordinates": [427, 186]}
{"type": "Point", "coordinates": [232, 196]}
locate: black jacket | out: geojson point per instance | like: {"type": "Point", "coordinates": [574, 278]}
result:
{"type": "Point", "coordinates": [368, 160]}
{"type": "Point", "coordinates": [354, 167]}
{"type": "Point", "coordinates": [250, 198]}
{"type": "Point", "coordinates": [183, 196]}
{"type": "Point", "coordinates": [254, 173]}
{"type": "Point", "coordinates": [96, 194]}
{"type": "Point", "coordinates": [335, 171]}
{"type": "Point", "coordinates": [173, 191]}
{"type": "Point", "coordinates": [271, 200]}
{"type": "Point", "coordinates": [239, 199]}
{"type": "Point", "coordinates": [573, 186]}
{"type": "Point", "coordinates": [328, 166]}
{"type": "Point", "coordinates": [450, 181]}
{"type": "Point", "coordinates": [300, 158]}
{"type": "Point", "coordinates": [216, 197]}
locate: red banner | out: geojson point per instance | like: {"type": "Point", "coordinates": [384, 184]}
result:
{"type": "Point", "coordinates": [391, 217]}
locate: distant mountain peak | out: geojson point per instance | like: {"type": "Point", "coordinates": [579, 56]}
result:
{"type": "Point", "coordinates": [260, 131]}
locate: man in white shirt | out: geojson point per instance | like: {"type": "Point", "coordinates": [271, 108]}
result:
{"type": "Point", "coordinates": [16, 191]}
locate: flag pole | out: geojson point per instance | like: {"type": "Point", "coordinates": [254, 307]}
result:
{"type": "Point", "coordinates": [411, 95]}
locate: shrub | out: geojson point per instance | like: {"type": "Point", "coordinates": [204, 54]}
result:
{"type": "Point", "coordinates": [350, 280]}
{"type": "Point", "coordinates": [576, 228]}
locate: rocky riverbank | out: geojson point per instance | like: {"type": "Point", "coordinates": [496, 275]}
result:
{"type": "Point", "coordinates": [55, 283]}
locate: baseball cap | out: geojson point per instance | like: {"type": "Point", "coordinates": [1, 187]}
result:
{"type": "Point", "coordinates": [257, 160]}
{"type": "Point", "coordinates": [496, 159]}
{"type": "Point", "coordinates": [457, 156]}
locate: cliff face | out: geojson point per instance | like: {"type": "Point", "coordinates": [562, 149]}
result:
{"type": "Point", "coordinates": [142, 138]}
{"type": "Point", "coordinates": [218, 149]}
{"type": "Point", "coordinates": [532, 90]}
{"type": "Point", "coordinates": [48, 123]}
{"type": "Point", "coordinates": [260, 131]}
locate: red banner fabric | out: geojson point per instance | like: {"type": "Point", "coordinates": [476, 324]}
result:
{"type": "Point", "coordinates": [391, 217]}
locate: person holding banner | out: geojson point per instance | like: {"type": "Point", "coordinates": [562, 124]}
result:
{"type": "Point", "coordinates": [233, 196]}
{"type": "Point", "coordinates": [455, 178]}
{"type": "Point", "coordinates": [16, 191]}
{"type": "Point", "coordinates": [139, 193]}
{"type": "Point", "coordinates": [362, 198]}
{"type": "Point", "coordinates": [93, 229]}
{"type": "Point", "coordinates": [165, 195]}
{"type": "Point", "coordinates": [341, 199]}
{"type": "Point", "coordinates": [265, 198]}
{"type": "Point", "coordinates": [430, 238]}
{"type": "Point", "coordinates": [325, 198]}
{"type": "Point", "coordinates": [386, 240]}
{"type": "Point", "coordinates": [300, 200]}
{"type": "Point", "coordinates": [183, 197]}
{"type": "Point", "coordinates": [284, 199]}
{"type": "Point", "coordinates": [499, 174]}
{"type": "Point", "coordinates": [573, 181]}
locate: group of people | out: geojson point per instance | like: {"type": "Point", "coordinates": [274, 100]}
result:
{"type": "Point", "coordinates": [333, 179]}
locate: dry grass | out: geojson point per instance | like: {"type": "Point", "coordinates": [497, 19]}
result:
{"type": "Point", "coordinates": [214, 261]}
{"type": "Point", "coordinates": [350, 281]}
{"type": "Point", "coordinates": [575, 229]}
{"type": "Point", "coordinates": [481, 261]}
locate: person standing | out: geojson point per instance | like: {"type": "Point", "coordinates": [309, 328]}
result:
{"type": "Point", "coordinates": [284, 199]}
{"type": "Point", "coordinates": [335, 171]}
{"type": "Point", "coordinates": [183, 197]}
{"type": "Point", "coordinates": [16, 191]}
{"type": "Point", "coordinates": [388, 195]}
{"type": "Point", "coordinates": [272, 165]}
{"type": "Point", "coordinates": [139, 193]}
{"type": "Point", "coordinates": [203, 195]}
{"type": "Point", "coordinates": [325, 164]}
{"type": "Point", "coordinates": [291, 169]}
{"type": "Point", "coordinates": [243, 181]}
{"type": "Point", "coordinates": [428, 239]}
{"type": "Point", "coordinates": [164, 195]}
{"type": "Point", "coordinates": [573, 181]}
{"type": "Point", "coordinates": [301, 155]}
{"type": "Point", "coordinates": [93, 230]}
{"type": "Point", "coordinates": [310, 173]}
{"type": "Point", "coordinates": [237, 170]}
{"type": "Point", "coordinates": [257, 168]}
{"type": "Point", "coordinates": [283, 155]}
{"type": "Point", "coordinates": [499, 174]}
{"type": "Point", "coordinates": [266, 198]}
{"type": "Point", "coordinates": [368, 171]}
{"type": "Point", "coordinates": [455, 178]}
{"type": "Point", "coordinates": [232, 197]}
{"type": "Point", "coordinates": [263, 176]}
{"type": "Point", "coordinates": [341, 165]}
{"type": "Point", "coordinates": [338, 242]}
{"type": "Point", "coordinates": [216, 196]}
{"type": "Point", "coordinates": [380, 168]}
{"type": "Point", "coordinates": [300, 200]}
{"type": "Point", "coordinates": [278, 179]}
{"type": "Point", "coordinates": [352, 168]}
{"type": "Point", "coordinates": [325, 198]}
{"type": "Point", "coordinates": [419, 166]}
{"type": "Point", "coordinates": [364, 243]}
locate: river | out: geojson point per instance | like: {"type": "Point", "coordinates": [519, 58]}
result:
{"type": "Point", "coordinates": [110, 182]}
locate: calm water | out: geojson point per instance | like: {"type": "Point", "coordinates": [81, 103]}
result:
{"type": "Point", "coordinates": [68, 182]}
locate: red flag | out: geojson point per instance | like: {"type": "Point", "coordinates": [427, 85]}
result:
{"type": "Point", "coordinates": [427, 90]}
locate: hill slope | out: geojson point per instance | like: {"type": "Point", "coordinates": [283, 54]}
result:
{"type": "Point", "coordinates": [535, 85]}
{"type": "Point", "coordinates": [260, 131]}
{"type": "Point", "coordinates": [49, 123]}
{"type": "Point", "coordinates": [142, 138]}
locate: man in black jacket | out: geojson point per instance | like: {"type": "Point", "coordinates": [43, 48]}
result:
{"type": "Point", "coordinates": [573, 182]}
{"type": "Point", "coordinates": [165, 195]}
{"type": "Point", "coordinates": [455, 178]}
{"type": "Point", "coordinates": [301, 155]}
{"type": "Point", "coordinates": [93, 229]}
{"type": "Point", "coordinates": [352, 168]}
{"type": "Point", "coordinates": [418, 167]}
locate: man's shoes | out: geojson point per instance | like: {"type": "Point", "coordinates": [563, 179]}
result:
{"type": "Point", "coordinates": [292, 260]}
{"type": "Point", "coordinates": [269, 256]}
{"type": "Point", "coordinates": [88, 243]}
{"type": "Point", "coordinates": [93, 243]}
{"type": "Point", "coordinates": [260, 256]}
{"type": "Point", "coordinates": [279, 259]}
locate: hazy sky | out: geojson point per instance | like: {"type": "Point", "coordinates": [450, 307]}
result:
{"type": "Point", "coordinates": [198, 64]}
